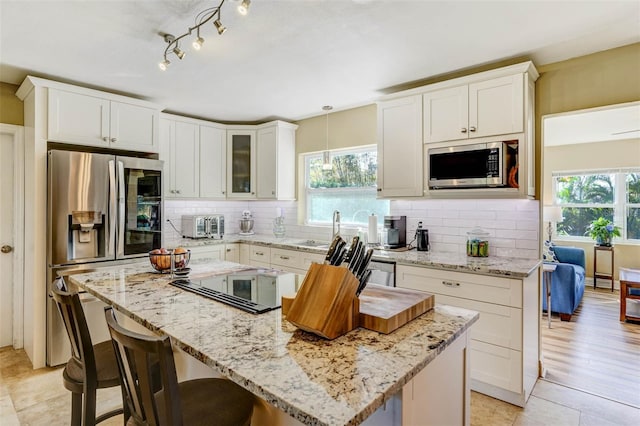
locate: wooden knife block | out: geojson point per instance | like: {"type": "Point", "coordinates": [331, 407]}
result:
{"type": "Point", "coordinates": [326, 303]}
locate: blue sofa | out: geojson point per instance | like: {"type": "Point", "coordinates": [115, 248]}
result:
{"type": "Point", "coordinates": [567, 283]}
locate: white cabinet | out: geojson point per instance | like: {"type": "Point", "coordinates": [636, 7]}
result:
{"type": "Point", "coordinates": [241, 164]}
{"type": "Point", "coordinates": [504, 341]}
{"type": "Point", "coordinates": [276, 161]}
{"type": "Point", "coordinates": [232, 252]}
{"type": "Point", "coordinates": [260, 256]}
{"type": "Point", "coordinates": [213, 252]}
{"type": "Point", "coordinates": [245, 254]}
{"type": "Point", "coordinates": [484, 108]}
{"type": "Point", "coordinates": [92, 120]}
{"type": "Point", "coordinates": [400, 147]}
{"type": "Point", "coordinates": [179, 148]}
{"type": "Point", "coordinates": [213, 162]}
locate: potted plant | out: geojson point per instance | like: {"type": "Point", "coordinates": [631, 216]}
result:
{"type": "Point", "coordinates": [603, 230]}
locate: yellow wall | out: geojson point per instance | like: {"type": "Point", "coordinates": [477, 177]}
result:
{"type": "Point", "coordinates": [11, 108]}
{"type": "Point", "coordinates": [603, 78]}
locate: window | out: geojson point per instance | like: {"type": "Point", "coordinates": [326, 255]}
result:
{"type": "Point", "coordinates": [586, 196]}
{"type": "Point", "coordinates": [349, 187]}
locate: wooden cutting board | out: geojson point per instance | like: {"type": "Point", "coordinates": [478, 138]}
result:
{"type": "Point", "coordinates": [385, 309]}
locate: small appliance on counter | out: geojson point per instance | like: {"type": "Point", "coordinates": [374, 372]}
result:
{"type": "Point", "coordinates": [246, 223]}
{"type": "Point", "coordinates": [395, 232]}
{"type": "Point", "coordinates": [422, 238]}
{"type": "Point", "coordinates": [203, 226]}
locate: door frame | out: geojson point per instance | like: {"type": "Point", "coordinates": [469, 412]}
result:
{"type": "Point", "coordinates": [17, 135]}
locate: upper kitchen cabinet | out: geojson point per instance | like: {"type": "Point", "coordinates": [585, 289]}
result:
{"type": "Point", "coordinates": [213, 161]}
{"type": "Point", "coordinates": [86, 117]}
{"type": "Point", "coordinates": [400, 147]}
{"type": "Point", "coordinates": [179, 148]}
{"type": "Point", "coordinates": [276, 161]}
{"type": "Point", "coordinates": [485, 108]}
{"type": "Point", "coordinates": [241, 164]}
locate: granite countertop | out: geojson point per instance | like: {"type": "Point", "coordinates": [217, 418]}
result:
{"type": "Point", "coordinates": [492, 265]}
{"type": "Point", "coordinates": [314, 380]}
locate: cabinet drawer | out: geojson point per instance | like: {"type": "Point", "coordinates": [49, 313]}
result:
{"type": "Point", "coordinates": [286, 258]}
{"type": "Point", "coordinates": [260, 254]}
{"type": "Point", "coordinates": [501, 291]}
{"type": "Point", "coordinates": [496, 366]}
{"type": "Point", "coordinates": [306, 259]}
{"type": "Point", "coordinates": [498, 325]}
{"type": "Point", "coordinates": [207, 252]}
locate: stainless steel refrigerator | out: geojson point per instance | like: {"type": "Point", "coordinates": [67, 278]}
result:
{"type": "Point", "coordinates": [103, 210]}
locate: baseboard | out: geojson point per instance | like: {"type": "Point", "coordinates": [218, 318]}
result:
{"type": "Point", "coordinates": [602, 283]}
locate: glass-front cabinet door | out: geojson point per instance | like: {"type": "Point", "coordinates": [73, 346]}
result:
{"type": "Point", "coordinates": [241, 167]}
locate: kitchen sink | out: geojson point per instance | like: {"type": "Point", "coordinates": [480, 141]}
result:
{"type": "Point", "coordinates": [314, 243]}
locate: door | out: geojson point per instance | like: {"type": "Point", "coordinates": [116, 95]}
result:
{"type": "Point", "coordinates": [213, 162]}
{"type": "Point", "coordinates": [267, 163]}
{"type": "Point", "coordinates": [496, 106]}
{"type": "Point", "coordinates": [6, 239]}
{"type": "Point", "coordinates": [241, 164]}
{"type": "Point", "coordinates": [446, 115]}
{"type": "Point", "coordinates": [139, 206]}
{"type": "Point", "coordinates": [80, 119]}
{"type": "Point", "coordinates": [400, 147]}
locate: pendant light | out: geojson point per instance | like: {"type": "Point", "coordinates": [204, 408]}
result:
{"type": "Point", "coordinates": [326, 155]}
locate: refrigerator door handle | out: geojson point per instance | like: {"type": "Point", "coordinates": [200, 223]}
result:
{"type": "Point", "coordinates": [121, 218]}
{"type": "Point", "coordinates": [111, 245]}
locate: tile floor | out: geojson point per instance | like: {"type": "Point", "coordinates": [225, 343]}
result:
{"type": "Point", "coordinates": [37, 397]}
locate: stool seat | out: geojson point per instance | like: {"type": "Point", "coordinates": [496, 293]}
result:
{"type": "Point", "coordinates": [106, 369]}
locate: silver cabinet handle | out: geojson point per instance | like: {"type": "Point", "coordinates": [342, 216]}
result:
{"type": "Point", "coordinates": [228, 250]}
{"type": "Point", "coordinates": [273, 192]}
{"type": "Point", "coordinates": [223, 192]}
{"type": "Point", "coordinates": [379, 189]}
{"type": "Point", "coordinates": [451, 284]}
{"type": "Point", "coordinates": [6, 249]}
{"type": "Point", "coordinates": [177, 191]}
{"type": "Point", "coordinates": [106, 139]}
{"type": "Point", "coordinates": [259, 253]}
{"type": "Point", "coordinates": [284, 257]}
{"type": "Point", "coordinates": [253, 193]}
{"type": "Point", "coordinates": [472, 129]}
{"type": "Point", "coordinates": [113, 139]}
{"type": "Point", "coordinates": [463, 130]}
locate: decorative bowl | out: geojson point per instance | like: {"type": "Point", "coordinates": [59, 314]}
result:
{"type": "Point", "coordinates": [161, 262]}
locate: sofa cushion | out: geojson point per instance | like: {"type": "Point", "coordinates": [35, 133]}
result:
{"type": "Point", "coordinates": [548, 254]}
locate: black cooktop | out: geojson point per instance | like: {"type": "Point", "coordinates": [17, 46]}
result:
{"type": "Point", "coordinates": [253, 290]}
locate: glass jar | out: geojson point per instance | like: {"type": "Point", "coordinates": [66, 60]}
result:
{"type": "Point", "coordinates": [477, 243]}
{"type": "Point", "coordinates": [279, 229]}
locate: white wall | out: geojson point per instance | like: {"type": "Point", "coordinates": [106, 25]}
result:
{"type": "Point", "coordinates": [512, 224]}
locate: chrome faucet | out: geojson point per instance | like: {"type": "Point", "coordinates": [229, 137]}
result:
{"type": "Point", "coordinates": [336, 224]}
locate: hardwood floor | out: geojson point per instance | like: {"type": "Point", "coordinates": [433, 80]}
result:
{"type": "Point", "coordinates": [595, 352]}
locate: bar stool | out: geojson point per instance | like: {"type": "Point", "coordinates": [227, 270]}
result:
{"type": "Point", "coordinates": [208, 401]}
{"type": "Point", "coordinates": [90, 367]}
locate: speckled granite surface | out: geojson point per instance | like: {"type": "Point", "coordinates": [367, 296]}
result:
{"type": "Point", "coordinates": [498, 266]}
{"type": "Point", "coordinates": [316, 381]}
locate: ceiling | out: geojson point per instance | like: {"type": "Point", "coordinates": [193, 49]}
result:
{"type": "Point", "coordinates": [288, 58]}
{"type": "Point", "coordinates": [615, 122]}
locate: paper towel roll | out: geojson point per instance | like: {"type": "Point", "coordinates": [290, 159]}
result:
{"type": "Point", "coordinates": [372, 235]}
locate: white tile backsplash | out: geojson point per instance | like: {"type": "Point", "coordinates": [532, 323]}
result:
{"type": "Point", "coordinates": [513, 225]}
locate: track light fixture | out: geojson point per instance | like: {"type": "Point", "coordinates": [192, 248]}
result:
{"type": "Point", "coordinates": [210, 14]}
{"type": "Point", "coordinates": [243, 7]}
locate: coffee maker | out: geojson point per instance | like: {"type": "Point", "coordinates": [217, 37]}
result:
{"type": "Point", "coordinates": [422, 238]}
{"type": "Point", "coordinates": [395, 229]}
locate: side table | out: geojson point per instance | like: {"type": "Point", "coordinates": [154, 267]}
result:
{"type": "Point", "coordinates": [596, 274]}
{"type": "Point", "coordinates": [548, 269]}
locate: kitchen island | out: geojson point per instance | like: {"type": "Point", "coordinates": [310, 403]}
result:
{"type": "Point", "coordinates": [416, 375]}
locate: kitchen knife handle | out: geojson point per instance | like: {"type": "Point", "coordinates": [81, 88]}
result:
{"type": "Point", "coordinates": [364, 281]}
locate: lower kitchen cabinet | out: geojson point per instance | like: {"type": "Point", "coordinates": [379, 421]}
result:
{"type": "Point", "coordinates": [504, 342]}
{"type": "Point", "coordinates": [232, 253]}
{"type": "Point", "coordinates": [215, 251]}
{"type": "Point", "coordinates": [260, 256]}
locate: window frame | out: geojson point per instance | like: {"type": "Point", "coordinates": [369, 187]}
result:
{"type": "Point", "coordinates": [308, 191]}
{"type": "Point", "coordinates": [620, 203]}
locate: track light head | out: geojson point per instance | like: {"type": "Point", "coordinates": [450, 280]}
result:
{"type": "Point", "coordinates": [197, 43]}
{"type": "Point", "coordinates": [179, 52]}
{"type": "Point", "coordinates": [164, 65]}
{"type": "Point", "coordinates": [221, 28]}
{"type": "Point", "coordinates": [243, 7]}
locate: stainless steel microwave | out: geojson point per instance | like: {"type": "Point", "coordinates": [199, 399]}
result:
{"type": "Point", "coordinates": [203, 226]}
{"type": "Point", "coordinates": [481, 165]}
